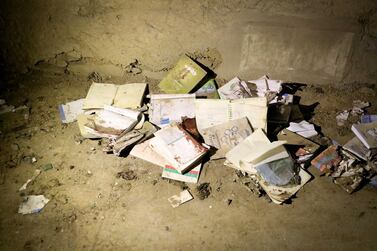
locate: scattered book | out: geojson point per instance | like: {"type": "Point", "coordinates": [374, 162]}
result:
{"type": "Point", "coordinates": [185, 75]}
{"type": "Point", "coordinates": [169, 108]}
{"type": "Point", "coordinates": [145, 152]}
{"type": "Point", "coordinates": [211, 112]}
{"type": "Point", "coordinates": [178, 147]}
{"type": "Point", "coordinates": [327, 159]}
{"type": "Point", "coordinates": [255, 150]}
{"type": "Point", "coordinates": [227, 135]}
{"type": "Point", "coordinates": [356, 147]}
{"type": "Point", "coordinates": [122, 96]}
{"type": "Point", "coordinates": [367, 133]}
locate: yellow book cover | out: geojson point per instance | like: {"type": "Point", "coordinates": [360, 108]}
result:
{"type": "Point", "coordinates": [185, 75]}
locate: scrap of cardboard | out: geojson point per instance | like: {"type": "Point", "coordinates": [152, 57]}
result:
{"type": "Point", "coordinates": [185, 75]}
{"type": "Point", "coordinates": [211, 112]}
{"type": "Point", "coordinates": [183, 197]}
{"type": "Point", "coordinates": [168, 108]}
{"type": "Point", "coordinates": [227, 135]}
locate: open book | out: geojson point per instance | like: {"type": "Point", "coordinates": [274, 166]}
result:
{"type": "Point", "coordinates": [256, 150]}
{"type": "Point", "coordinates": [211, 112]}
{"type": "Point", "coordinates": [122, 96]}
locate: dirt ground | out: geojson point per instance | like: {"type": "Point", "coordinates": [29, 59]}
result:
{"type": "Point", "coordinates": [91, 208]}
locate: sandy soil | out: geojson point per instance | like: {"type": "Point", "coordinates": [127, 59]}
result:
{"type": "Point", "coordinates": [92, 209]}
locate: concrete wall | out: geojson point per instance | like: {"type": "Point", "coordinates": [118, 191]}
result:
{"type": "Point", "coordinates": [322, 41]}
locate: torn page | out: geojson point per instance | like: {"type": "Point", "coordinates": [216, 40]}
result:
{"type": "Point", "coordinates": [37, 172]}
{"type": "Point", "coordinates": [227, 135]}
{"type": "Point", "coordinates": [100, 94]}
{"type": "Point", "coordinates": [130, 95]}
{"type": "Point", "coordinates": [70, 111]}
{"type": "Point", "coordinates": [184, 76]}
{"type": "Point", "coordinates": [168, 108]}
{"type": "Point", "coordinates": [234, 89]}
{"type": "Point", "coordinates": [32, 204]}
{"type": "Point", "coordinates": [183, 197]}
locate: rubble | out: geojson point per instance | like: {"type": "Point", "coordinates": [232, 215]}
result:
{"type": "Point", "coordinates": [259, 127]}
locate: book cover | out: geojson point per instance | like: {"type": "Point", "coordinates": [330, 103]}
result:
{"type": "Point", "coordinates": [367, 133]}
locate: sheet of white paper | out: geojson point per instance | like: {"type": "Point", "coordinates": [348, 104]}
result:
{"type": "Point", "coordinates": [168, 108]}
{"type": "Point", "coordinates": [32, 204]}
{"type": "Point", "coordinates": [70, 111]}
{"type": "Point", "coordinates": [303, 128]}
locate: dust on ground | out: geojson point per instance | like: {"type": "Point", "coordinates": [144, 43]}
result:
{"type": "Point", "coordinates": [99, 201]}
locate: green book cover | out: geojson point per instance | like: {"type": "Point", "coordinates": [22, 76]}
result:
{"type": "Point", "coordinates": [185, 75]}
{"type": "Point", "coordinates": [208, 90]}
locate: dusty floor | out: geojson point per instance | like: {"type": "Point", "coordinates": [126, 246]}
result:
{"type": "Point", "coordinates": [92, 209]}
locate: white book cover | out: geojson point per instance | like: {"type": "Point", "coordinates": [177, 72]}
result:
{"type": "Point", "coordinates": [168, 108]}
{"type": "Point", "coordinates": [367, 133]}
{"type": "Point", "coordinates": [227, 135]}
{"type": "Point", "coordinates": [356, 147]}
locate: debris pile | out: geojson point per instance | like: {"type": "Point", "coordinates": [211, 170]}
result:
{"type": "Point", "coordinates": [258, 127]}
